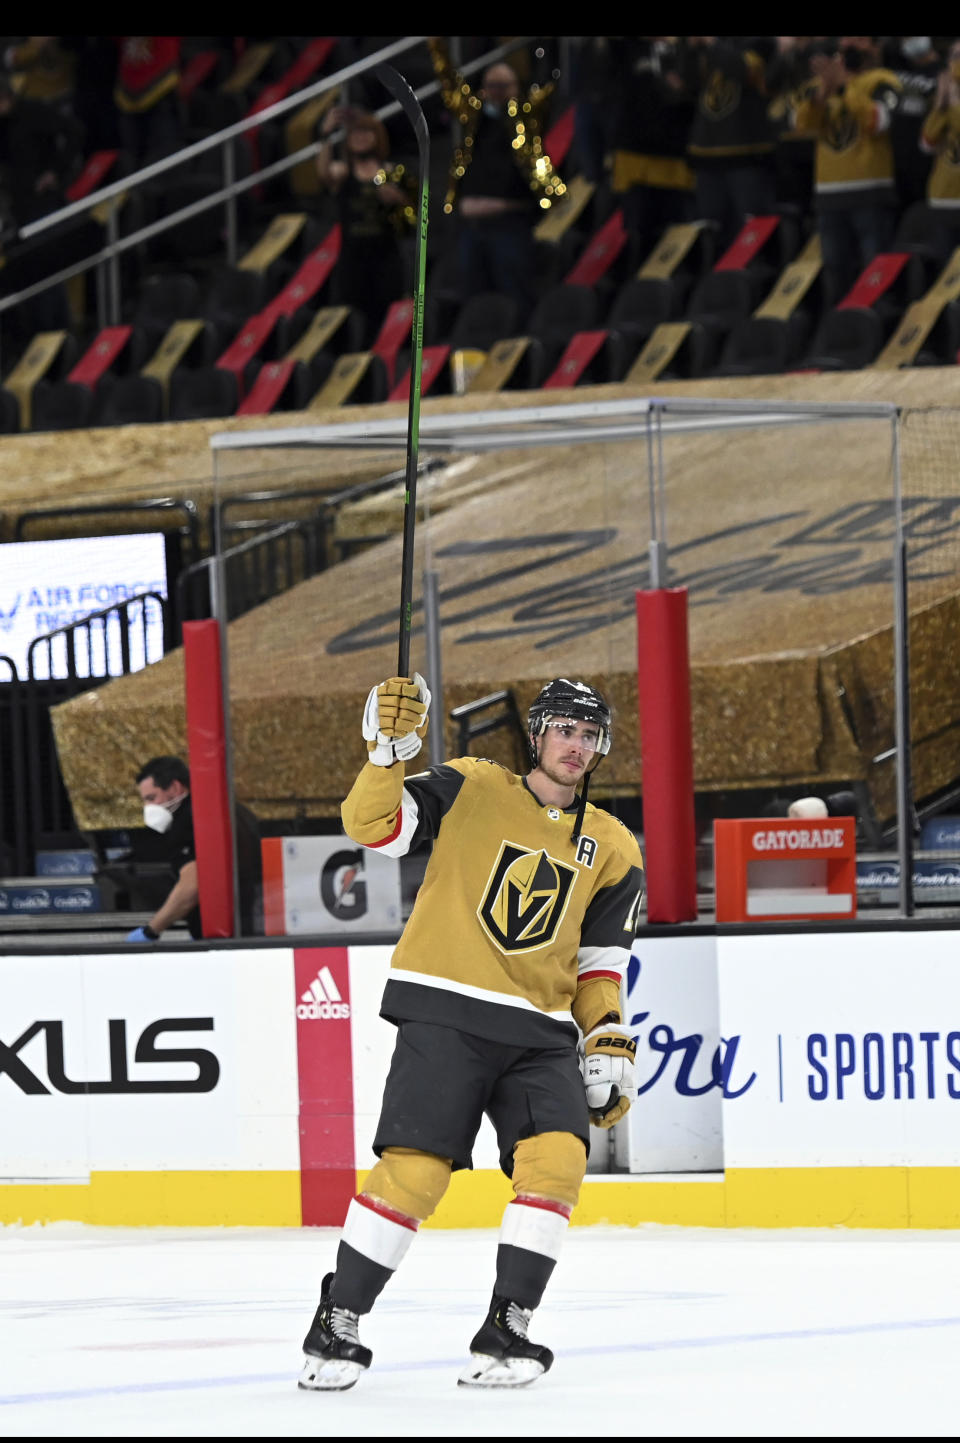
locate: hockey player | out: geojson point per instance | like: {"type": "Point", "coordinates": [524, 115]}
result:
{"type": "Point", "coordinates": [514, 949]}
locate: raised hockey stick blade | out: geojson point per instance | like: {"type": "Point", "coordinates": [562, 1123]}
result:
{"type": "Point", "coordinates": [401, 92]}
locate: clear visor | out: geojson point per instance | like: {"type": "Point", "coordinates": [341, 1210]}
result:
{"type": "Point", "coordinates": [588, 736]}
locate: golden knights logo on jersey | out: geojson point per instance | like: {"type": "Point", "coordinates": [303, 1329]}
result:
{"type": "Point", "coordinates": [720, 96]}
{"type": "Point", "coordinates": [525, 898]}
{"type": "Point", "coordinates": [842, 129]}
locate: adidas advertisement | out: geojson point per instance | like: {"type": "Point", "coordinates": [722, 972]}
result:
{"type": "Point", "coordinates": [322, 999]}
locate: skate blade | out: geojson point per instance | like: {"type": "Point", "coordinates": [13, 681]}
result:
{"type": "Point", "coordinates": [328, 1375]}
{"type": "Point", "coordinates": [486, 1372]}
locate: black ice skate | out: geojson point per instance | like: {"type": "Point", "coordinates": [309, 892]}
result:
{"type": "Point", "coordinates": [335, 1355]}
{"type": "Point", "coordinates": [502, 1355]}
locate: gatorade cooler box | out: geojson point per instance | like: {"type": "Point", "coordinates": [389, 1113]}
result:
{"type": "Point", "coordinates": [777, 871]}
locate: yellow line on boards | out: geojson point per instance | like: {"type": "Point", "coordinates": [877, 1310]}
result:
{"type": "Point", "coordinates": [859, 1197]}
{"type": "Point", "coordinates": [160, 1199]}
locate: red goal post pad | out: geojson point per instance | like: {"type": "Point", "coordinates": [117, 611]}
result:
{"type": "Point", "coordinates": [776, 870]}
{"type": "Point", "coordinates": [207, 748]}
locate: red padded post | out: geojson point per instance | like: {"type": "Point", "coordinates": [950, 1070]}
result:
{"type": "Point", "coordinates": [207, 746]}
{"type": "Point", "coordinates": [666, 751]}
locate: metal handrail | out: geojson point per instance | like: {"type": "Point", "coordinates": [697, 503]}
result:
{"type": "Point", "coordinates": [468, 727]}
{"type": "Point", "coordinates": [221, 137]}
{"type": "Point", "coordinates": [120, 609]}
{"type": "Point", "coordinates": [108, 289]}
{"type": "Point", "coordinates": [191, 511]}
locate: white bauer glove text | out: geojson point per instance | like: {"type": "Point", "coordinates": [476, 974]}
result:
{"type": "Point", "coordinates": [395, 719]}
{"type": "Point", "coordinates": [609, 1053]}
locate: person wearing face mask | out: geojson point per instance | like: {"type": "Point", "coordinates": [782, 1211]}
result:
{"type": "Point", "coordinates": [501, 179]}
{"type": "Point", "coordinates": [849, 108]}
{"type": "Point", "coordinates": [940, 137]}
{"type": "Point", "coordinates": [163, 784]}
{"type": "Point", "coordinates": [376, 202]}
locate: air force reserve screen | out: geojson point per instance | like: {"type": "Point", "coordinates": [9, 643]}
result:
{"type": "Point", "coordinates": [46, 586]}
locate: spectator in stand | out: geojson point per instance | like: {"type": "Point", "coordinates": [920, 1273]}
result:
{"type": "Point", "coordinates": [590, 86]}
{"type": "Point", "coordinates": [38, 151]}
{"type": "Point", "coordinates": [377, 203]}
{"type": "Point", "coordinates": [940, 137]}
{"type": "Point", "coordinates": [148, 105]}
{"type": "Point", "coordinates": [97, 59]}
{"type": "Point", "coordinates": [732, 138]}
{"type": "Point", "coordinates": [849, 107]}
{"type": "Point", "coordinates": [45, 66]}
{"type": "Point", "coordinates": [916, 64]}
{"type": "Point", "coordinates": [501, 177]}
{"type": "Point", "coordinates": [652, 114]}
{"type": "Point", "coordinates": [788, 75]}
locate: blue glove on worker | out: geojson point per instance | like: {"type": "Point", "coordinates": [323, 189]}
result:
{"type": "Point", "coordinates": [142, 934]}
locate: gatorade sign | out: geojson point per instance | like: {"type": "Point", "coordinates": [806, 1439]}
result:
{"type": "Point", "coordinates": [314, 885]}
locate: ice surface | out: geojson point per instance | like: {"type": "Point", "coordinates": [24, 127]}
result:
{"type": "Point", "coordinates": [658, 1331]}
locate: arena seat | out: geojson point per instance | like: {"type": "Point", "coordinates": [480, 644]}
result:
{"type": "Point", "coordinates": [763, 346]}
{"type": "Point", "coordinates": [677, 351]}
{"type": "Point", "coordinates": [516, 364]}
{"type": "Point", "coordinates": [9, 412]}
{"type": "Point", "coordinates": [202, 393]}
{"type": "Point", "coordinates": [887, 286]}
{"type": "Point", "coordinates": [719, 300]}
{"type": "Point", "coordinates": [484, 319]}
{"type": "Point", "coordinates": [127, 401]}
{"type": "Point", "coordinates": [942, 346]}
{"type": "Point", "coordinates": [846, 340]}
{"type": "Point", "coordinates": [299, 331]}
{"type": "Point", "coordinates": [918, 232]}
{"type": "Point", "coordinates": [234, 296]}
{"type": "Point", "coordinates": [285, 385]}
{"type": "Point", "coordinates": [639, 307]}
{"type": "Point", "coordinates": [61, 406]}
{"type": "Point", "coordinates": [559, 314]}
{"type": "Point", "coordinates": [358, 378]}
{"type": "Point", "coordinates": [197, 238]}
{"type": "Point", "coordinates": [585, 360]}
{"type": "Point", "coordinates": [51, 355]}
{"type": "Point", "coordinates": [163, 300]}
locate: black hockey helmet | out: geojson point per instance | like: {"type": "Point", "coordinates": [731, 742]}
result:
{"type": "Point", "coordinates": [574, 699]}
{"type": "Point", "coordinates": [579, 702]}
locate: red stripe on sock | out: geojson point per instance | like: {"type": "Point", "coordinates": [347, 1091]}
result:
{"type": "Point", "coordinates": [390, 1214]}
{"type": "Point", "coordinates": [546, 1203]}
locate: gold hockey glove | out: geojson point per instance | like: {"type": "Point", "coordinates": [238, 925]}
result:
{"type": "Point", "coordinates": [395, 719]}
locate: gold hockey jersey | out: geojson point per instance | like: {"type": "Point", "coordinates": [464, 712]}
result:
{"type": "Point", "coordinates": [854, 159]}
{"type": "Point", "coordinates": [518, 934]}
{"type": "Point", "coordinates": [941, 137]}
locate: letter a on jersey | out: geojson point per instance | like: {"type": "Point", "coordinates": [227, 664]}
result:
{"type": "Point", "coordinates": [525, 899]}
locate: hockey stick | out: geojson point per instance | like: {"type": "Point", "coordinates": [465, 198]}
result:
{"type": "Point", "coordinates": [410, 105]}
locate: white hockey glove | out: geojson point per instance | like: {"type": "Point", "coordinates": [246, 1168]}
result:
{"type": "Point", "coordinates": [395, 719]}
{"type": "Point", "coordinates": [609, 1053]}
